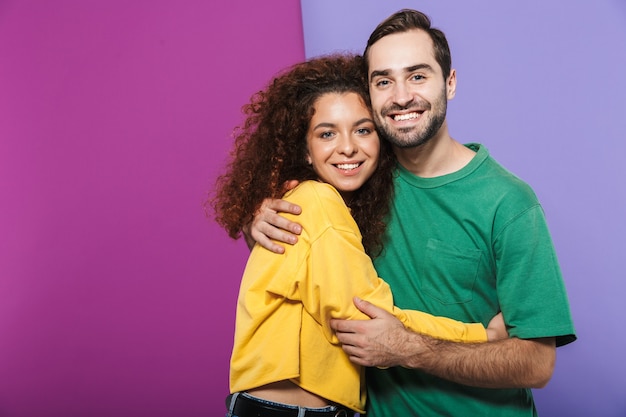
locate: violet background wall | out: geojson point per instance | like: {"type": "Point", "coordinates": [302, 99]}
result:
{"type": "Point", "coordinates": [541, 84]}
{"type": "Point", "coordinates": [117, 293]}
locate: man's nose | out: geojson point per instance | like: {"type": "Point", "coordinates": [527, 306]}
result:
{"type": "Point", "coordinates": [401, 94]}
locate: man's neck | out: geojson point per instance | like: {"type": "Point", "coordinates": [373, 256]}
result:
{"type": "Point", "coordinates": [439, 156]}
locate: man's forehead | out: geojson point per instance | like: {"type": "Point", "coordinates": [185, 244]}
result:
{"type": "Point", "coordinates": [401, 51]}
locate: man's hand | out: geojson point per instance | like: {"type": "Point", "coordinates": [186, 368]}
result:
{"type": "Point", "coordinates": [375, 342]}
{"type": "Point", "coordinates": [269, 224]}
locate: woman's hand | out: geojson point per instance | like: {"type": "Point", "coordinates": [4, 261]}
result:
{"type": "Point", "coordinates": [496, 329]}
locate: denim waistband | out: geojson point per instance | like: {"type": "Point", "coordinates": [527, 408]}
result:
{"type": "Point", "coordinates": [246, 405]}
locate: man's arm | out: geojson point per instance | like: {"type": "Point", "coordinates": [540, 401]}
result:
{"type": "Point", "coordinates": [384, 342]}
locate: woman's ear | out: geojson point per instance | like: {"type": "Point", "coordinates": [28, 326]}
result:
{"type": "Point", "coordinates": [309, 160]}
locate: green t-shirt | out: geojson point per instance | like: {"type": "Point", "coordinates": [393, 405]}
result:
{"type": "Point", "coordinates": [466, 246]}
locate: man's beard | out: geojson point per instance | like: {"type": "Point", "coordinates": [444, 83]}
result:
{"type": "Point", "coordinates": [413, 136]}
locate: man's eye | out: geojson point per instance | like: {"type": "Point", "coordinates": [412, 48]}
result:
{"type": "Point", "coordinates": [382, 83]}
{"type": "Point", "coordinates": [417, 77]}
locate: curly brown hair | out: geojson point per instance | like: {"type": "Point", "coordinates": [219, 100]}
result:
{"type": "Point", "coordinates": [270, 148]}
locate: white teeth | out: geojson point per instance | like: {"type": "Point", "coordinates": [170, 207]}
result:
{"type": "Point", "coordinates": [408, 116]}
{"type": "Point", "coordinates": [347, 166]}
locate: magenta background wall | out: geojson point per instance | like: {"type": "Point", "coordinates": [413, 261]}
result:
{"type": "Point", "coordinates": [542, 85]}
{"type": "Point", "coordinates": [117, 294]}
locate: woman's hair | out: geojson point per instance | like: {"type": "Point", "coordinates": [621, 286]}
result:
{"type": "Point", "coordinates": [270, 148]}
{"type": "Point", "coordinates": [406, 20]}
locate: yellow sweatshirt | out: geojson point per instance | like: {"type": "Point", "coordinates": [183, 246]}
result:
{"type": "Point", "coordinates": [286, 302]}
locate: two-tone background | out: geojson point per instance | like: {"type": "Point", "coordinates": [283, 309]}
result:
{"type": "Point", "coordinates": [117, 293]}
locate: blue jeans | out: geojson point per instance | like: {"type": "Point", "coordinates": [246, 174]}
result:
{"type": "Point", "coordinates": [230, 403]}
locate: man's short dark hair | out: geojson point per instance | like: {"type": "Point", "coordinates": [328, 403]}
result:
{"type": "Point", "coordinates": [406, 20]}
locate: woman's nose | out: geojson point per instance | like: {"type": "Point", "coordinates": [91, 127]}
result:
{"type": "Point", "coordinates": [347, 145]}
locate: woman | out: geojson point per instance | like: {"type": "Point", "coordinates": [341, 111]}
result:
{"type": "Point", "coordinates": [311, 124]}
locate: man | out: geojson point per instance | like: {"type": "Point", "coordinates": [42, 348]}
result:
{"type": "Point", "coordinates": [466, 239]}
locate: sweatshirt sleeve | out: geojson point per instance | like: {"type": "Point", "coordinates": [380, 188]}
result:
{"type": "Point", "coordinates": [339, 269]}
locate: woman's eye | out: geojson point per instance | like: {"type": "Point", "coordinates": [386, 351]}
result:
{"type": "Point", "coordinates": [326, 135]}
{"type": "Point", "coordinates": [363, 131]}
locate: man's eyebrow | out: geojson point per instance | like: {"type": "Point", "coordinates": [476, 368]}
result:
{"type": "Point", "coordinates": [379, 73]}
{"type": "Point", "coordinates": [419, 67]}
{"type": "Point", "coordinates": [412, 68]}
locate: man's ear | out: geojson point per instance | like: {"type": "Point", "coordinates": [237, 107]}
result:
{"type": "Point", "coordinates": [451, 84]}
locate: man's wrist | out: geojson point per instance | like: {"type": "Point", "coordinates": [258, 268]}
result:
{"type": "Point", "coordinates": [414, 348]}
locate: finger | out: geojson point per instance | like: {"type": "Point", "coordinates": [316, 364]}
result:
{"type": "Point", "coordinates": [368, 308]}
{"type": "Point", "coordinates": [283, 224]}
{"type": "Point", "coordinates": [342, 326]}
{"type": "Point", "coordinates": [356, 358]}
{"type": "Point", "coordinates": [281, 206]}
{"type": "Point", "coordinates": [351, 350]}
{"type": "Point", "coordinates": [290, 185]}
{"type": "Point", "coordinates": [358, 361]}
{"type": "Point", "coordinates": [274, 226]}
{"type": "Point", "coordinates": [336, 324]}
{"type": "Point", "coordinates": [275, 229]}
{"type": "Point", "coordinates": [266, 242]}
